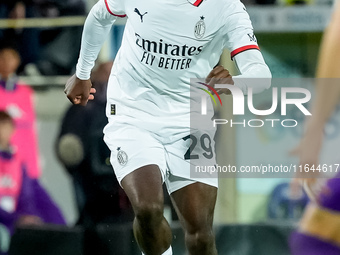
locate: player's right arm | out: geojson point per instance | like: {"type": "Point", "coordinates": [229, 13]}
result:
{"type": "Point", "coordinates": [96, 28]}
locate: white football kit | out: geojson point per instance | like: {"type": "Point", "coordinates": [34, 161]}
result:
{"type": "Point", "coordinates": [165, 44]}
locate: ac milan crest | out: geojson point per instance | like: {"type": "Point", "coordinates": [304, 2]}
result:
{"type": "Point", "coordinates": [200, 28]}
{"type": "Point", "coordinates": [122, 157]}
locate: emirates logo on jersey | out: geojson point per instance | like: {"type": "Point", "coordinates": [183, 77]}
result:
{"type": "Point", "coordinates": [200, 28]}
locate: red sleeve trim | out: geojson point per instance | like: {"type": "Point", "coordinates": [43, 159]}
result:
{"type": "Point", "coordinates": [108, 9]}
{"type": "Point", "coordinates": [244, 48]}
{"type": "Point", "coordinates": [198, 2]}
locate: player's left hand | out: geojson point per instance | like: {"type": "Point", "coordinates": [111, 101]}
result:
{"type": "Point", "coordinates": [220, 75]}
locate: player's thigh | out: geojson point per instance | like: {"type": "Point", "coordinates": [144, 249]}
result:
{"type": "Point", "coordinates": [144, 189]}
{"type": "Point", "coordinates": [138, 162]}
{"type": "Point", "coordinates": [193, 193]}
{"type": "Point", "coordinates": [132, 148]}
{"type": "Point", "coordinates": [191, 158]}
{"type": "Point", "coordinates": [195, 205]}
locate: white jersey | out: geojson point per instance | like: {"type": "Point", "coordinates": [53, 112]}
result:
{"type": "Point", "coordinates": [165, 44]}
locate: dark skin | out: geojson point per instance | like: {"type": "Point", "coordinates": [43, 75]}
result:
{"type": "Point", "coordinates": [79, 91]}
{"type": "Point", "coordinates": [194, 203]}
{"type": "Point", "coordinates": [219, 75]}
{"type": "Point", "coordinates": [195, 206]}
{"type": "Point", "coordinates": [144, 190]}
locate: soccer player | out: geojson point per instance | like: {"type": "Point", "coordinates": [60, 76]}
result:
{"type": "Point", "coordinates": [165, 43]}
{"type": "Point", "coordinates": [319, 232]}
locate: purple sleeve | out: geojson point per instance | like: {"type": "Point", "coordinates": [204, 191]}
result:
{"type": "Point", "coordinates": [47, 208]}
{"type": "Point", "coordinates": [26, 202]}
{"type": "Point", "coordinates": [34, 200]}
{"type": "Point", "coordinates": [25, 205]}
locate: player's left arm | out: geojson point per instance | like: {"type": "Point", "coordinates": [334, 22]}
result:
{"type": "Point", "coordinates": [254, 72]}
{"type": "Point", "coordinates": [240, 40]}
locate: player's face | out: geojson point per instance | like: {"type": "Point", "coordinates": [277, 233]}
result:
{"type": "Point", "coordinates": [9, 62]}
{"type": "Point", "coordinates": [6, 131]}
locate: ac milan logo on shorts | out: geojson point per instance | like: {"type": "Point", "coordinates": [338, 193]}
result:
{"type": "Point", "coordinates": [122, 157]}
{"type": "Point", "coordinates": [200, 28]}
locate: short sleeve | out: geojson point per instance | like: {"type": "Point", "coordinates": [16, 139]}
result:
{"type": "Point", "coordinates": [238, 30]}
{"type": "Point", "coordinates": [115, 7]}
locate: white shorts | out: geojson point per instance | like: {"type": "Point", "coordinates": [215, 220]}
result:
{"type": "Point", "coordinates": [132, 148]}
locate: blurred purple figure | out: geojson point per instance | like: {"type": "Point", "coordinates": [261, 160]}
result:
{"type": "Point", "coordinates": [22, 199]}
{"type": "Point", "coordinates": [319, 230]}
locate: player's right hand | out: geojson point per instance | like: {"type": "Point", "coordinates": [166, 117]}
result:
{"type": "Point", "coordinates": [79, 91]}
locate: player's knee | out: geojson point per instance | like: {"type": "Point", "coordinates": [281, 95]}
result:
{"type": "Point", "coordinates": [199, 238]}
{"type": "Point", "coordinates": [149, 212]}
